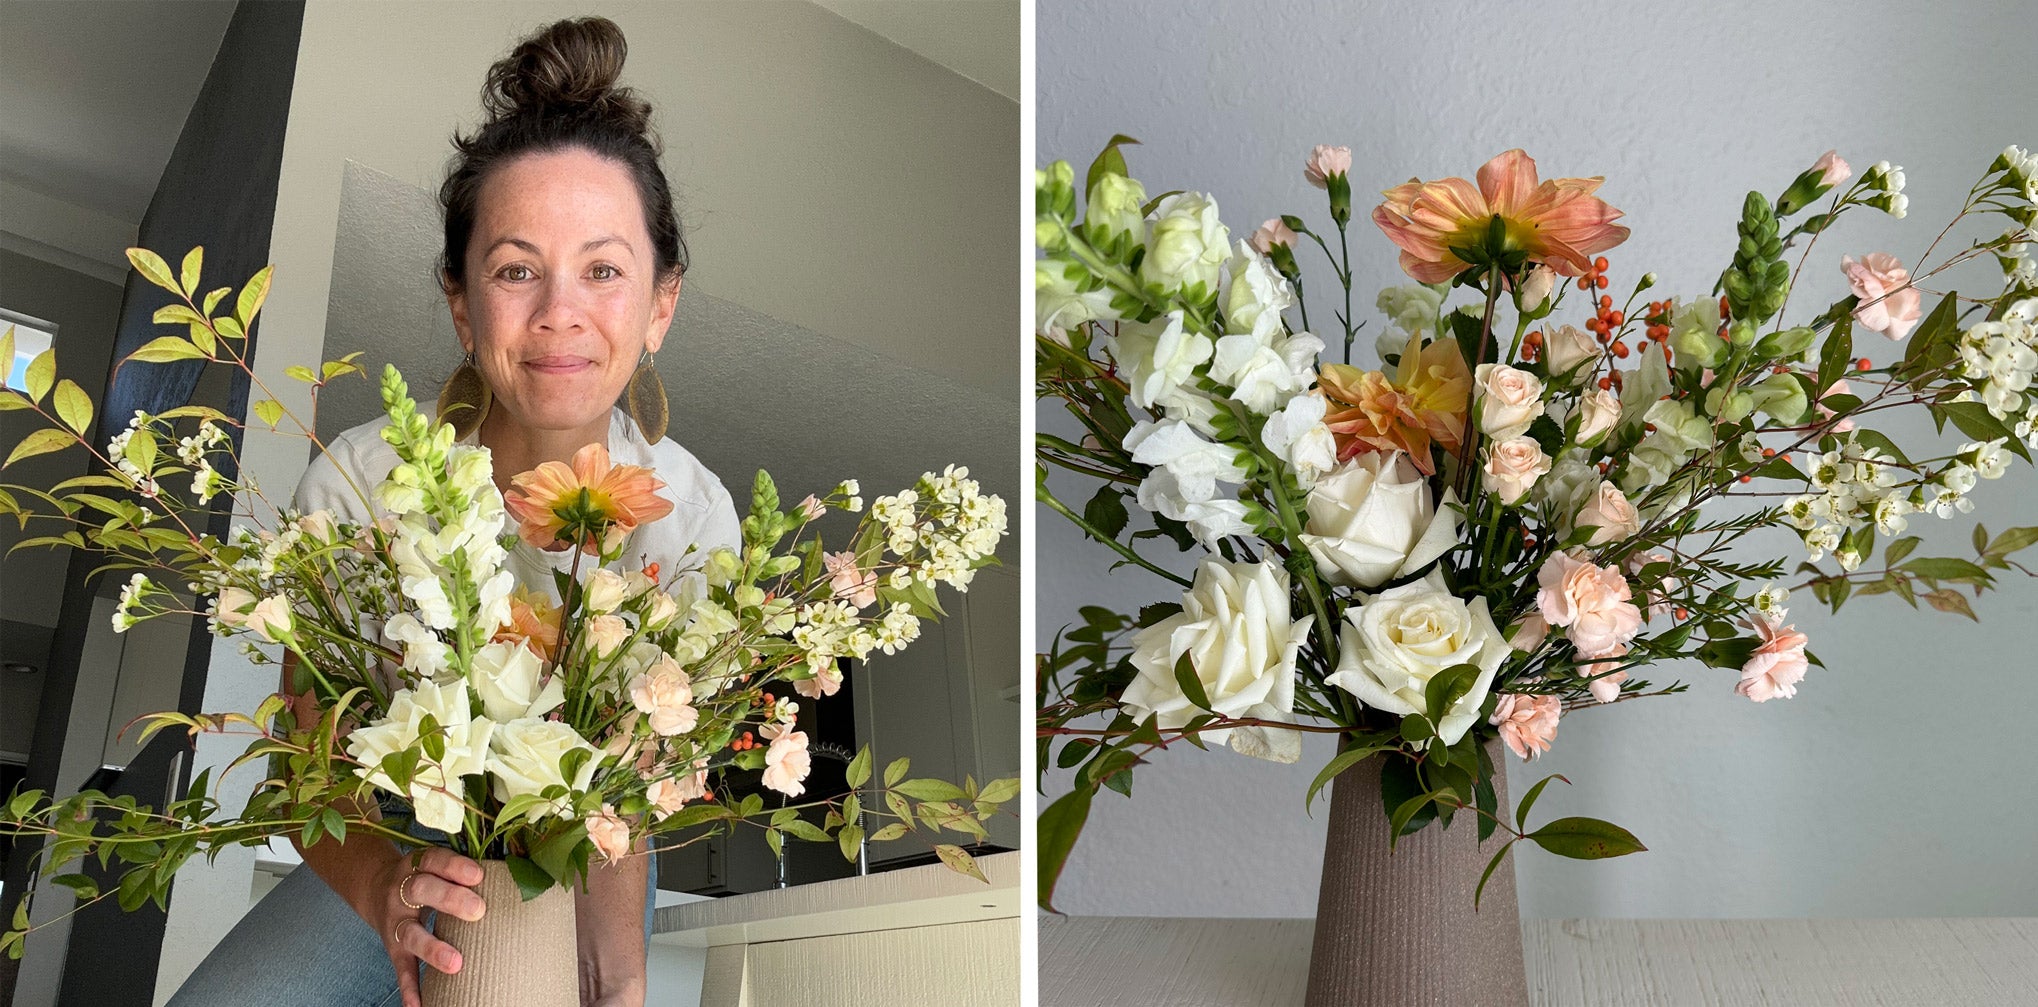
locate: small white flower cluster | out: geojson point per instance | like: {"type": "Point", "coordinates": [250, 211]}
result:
{"type": "Point", "coordinates": [2019, 268]}
{"type": "Point", "coordinates": [1888, 180]}
{"type": "Point", "coordinates": [2022, 168]}
{"type": "Point", "coordinates": [2001, 357]}
{"type": "Point", "coordinates": [854, 491]}
{"type": "Point", "coordinates": [124, 616]}
{"type": "Point", "coordinates": [205, 480]}
{"type": "Point", "coordinates": [116, 449]}
{"type": "Point", "coordinates": [1857, 484]}
{"type": "Point", "coordinates": [1768, 602]}
{"type": "Point", "coordinates": [946, 522]}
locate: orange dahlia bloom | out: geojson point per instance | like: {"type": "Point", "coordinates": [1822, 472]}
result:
{"type": "Point", "coordinates": [534, 622]}
{"type": "Point", "coordinates": [1425, 403]}
{"type": "Point", "coordinates": [1557, 222]}
{"type": "Point", "coordinates": [592, 505]}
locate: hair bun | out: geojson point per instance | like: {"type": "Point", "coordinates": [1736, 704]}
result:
{"type": "Point", "coordinates": [566, 68]}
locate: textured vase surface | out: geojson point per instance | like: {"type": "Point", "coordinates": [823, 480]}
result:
{"type": "Point", "coordinates": [519, 952]}
{"type": "Point", "coordinates": [1398, 929]}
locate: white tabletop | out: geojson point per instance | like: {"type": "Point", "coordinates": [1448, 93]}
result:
{"type": "Point", "coordinates": [1094, 962]}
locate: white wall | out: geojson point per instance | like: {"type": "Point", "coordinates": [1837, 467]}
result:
{"type": "Point", "coordinates": [1894, 784]}
{"type": "Point", "coordinates": [826, 178]}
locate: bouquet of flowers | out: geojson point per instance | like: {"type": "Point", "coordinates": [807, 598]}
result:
{"type": "Point", "coordinates": [541, 730]}
{"type": "Point", "coordinates": [1534, 498]}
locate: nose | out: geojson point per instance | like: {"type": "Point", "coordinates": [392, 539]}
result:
{"type": "Point", "coordinates": [557, 309]}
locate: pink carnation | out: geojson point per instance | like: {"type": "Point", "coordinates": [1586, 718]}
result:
{"type": "Point", "coordinates": [1832, 170]}
{"type": "Point", "coordinates": [1606, 689]}
{"type": "Point", "coordinates": [1528, 723]}
{"type": "Point", "coordinates": [1659, 603]}
{"type": "Point", "coordinates": [1326, 161]}
{"type": "Point", "coordinates": [1776, 666]}
{"type": "Point", "coordinates": [849, 582]}
{"type": "Point", "coordinates": [1872, 279]}
{"type": "Point", "coordinates": [610, 833]}
{"type": "Point", "coordinates": [1591, 601]}
{"type": "Point", "coordinates": [786, 762]}
{"type": "Point", "coordinates": [1273, 232]}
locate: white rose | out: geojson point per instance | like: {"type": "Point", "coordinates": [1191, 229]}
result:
{"type": "Point", "coordinates": [231, 607]}
{"type": "Point", "coordinates": [1372, 520]}
{"type": "Point", "coordinates": [271, 618]}
{"type": "Point", "coordinates": [1610, 514]}
{"type": "Point", "coordinates": [1394, 642]}
{"type": "Point", "coordinates": [1536, 288]}
{"type": "Point", "coordinates": [524, 758]}
{"type": "Point", "coordinates": [1599, 411]}
{"type": "Point", "coordinates": [1235, 630]}
{"type": "Point", "coordinates": [1508, 399]}
{"type": "Point", "coordinates": [504, 676]}
{"type": "Point", "coordinates": [660, 611]}
{"type": "Point", "coordinates": [1296, 435]}
{"type": "Point", "coordinates": [435, 786]}
{"type": "Point", "coordinates": [1186, 244]}
{"type": "Point", "coordinates": [1566, 347]}
{"type": "Point", "coordinates": [1571, 477]}
{"type": "Point", "coordinates": [1512, 468]}
{"type": "Point", "coordinates": [605, 591]}
{"type": "Point", "coordinates": [1158, 359]}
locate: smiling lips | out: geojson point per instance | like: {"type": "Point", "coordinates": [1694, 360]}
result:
{"type": "Point", "coordinates": [559, 364]}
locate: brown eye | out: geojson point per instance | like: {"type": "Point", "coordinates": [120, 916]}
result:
{"type": "Point", "coordinates": [605, 272]}
{"type": "Point", "coordinates": [516, 273]}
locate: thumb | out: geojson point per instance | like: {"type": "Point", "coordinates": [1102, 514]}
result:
{"type": "Point", "coordinates": [407, 978]}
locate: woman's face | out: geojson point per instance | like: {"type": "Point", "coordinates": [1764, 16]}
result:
{"type": "Point", "coordinates": [561, 298]}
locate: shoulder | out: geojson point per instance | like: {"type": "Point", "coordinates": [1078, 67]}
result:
{"type": "Point", "coordinates": [703, 515]}
{"type": "Point", "coordinates": [349, 468]}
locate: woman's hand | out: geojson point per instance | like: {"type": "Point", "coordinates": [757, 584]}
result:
{"type": "Point", "coordinates": [432, 878]}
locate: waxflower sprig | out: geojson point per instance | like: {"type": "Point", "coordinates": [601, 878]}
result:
{"type": "Point", "coordinates": [548, 728]}
{"type": "Point", "coordinates": [1516, 511]}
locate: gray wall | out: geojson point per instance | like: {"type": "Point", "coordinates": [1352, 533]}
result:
{"type": "Point", "coordinates": [1889, 786]}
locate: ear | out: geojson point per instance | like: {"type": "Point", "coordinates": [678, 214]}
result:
{"type": "Point", "coordinates": [664, 301]}
{"type": "Point", "coordinates": [456, 303]}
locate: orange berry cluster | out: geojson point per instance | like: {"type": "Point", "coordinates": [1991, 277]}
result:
{"type": "Point", "coordinates": [745, 743]}
{"type": "Point", "coordinates": [1532, 345]}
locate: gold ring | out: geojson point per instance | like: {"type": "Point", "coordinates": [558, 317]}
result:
{"type": "Point", "coordinates": [396, 932]}
{"type": "Point", "coordinates": [404, 897]}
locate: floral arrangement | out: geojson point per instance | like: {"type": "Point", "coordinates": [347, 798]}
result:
{"type": "Point", "coordinates": [1493, 529]}
{"type": "Point", "coordinates": [544, 730]}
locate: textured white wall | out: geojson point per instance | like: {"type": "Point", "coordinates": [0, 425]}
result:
{"type": "Point", "coordinates": [1894, 784]}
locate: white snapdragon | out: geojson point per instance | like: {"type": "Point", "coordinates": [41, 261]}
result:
{"type": "Point", "coordinates": [1059, 302]}
{"type": "Point", "coordinates": [1186, 245]}
{"type": "Point", "coordinates": [1187, 471]}
{"type": "Point", "coordinates": [1158, 360]}
{"type": "Point", "coordinates": [1297, 435]}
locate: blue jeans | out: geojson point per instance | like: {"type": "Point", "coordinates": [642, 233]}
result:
{"type": "Point", "coordinates": [303, 946]}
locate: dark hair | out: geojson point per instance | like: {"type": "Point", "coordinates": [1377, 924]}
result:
{"type": "Point", "coordinates": [555, 91]}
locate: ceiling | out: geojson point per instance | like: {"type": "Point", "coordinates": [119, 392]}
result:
{"type": "Point", "coordinates": [96, 94]}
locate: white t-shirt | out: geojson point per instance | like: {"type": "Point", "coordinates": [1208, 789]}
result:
{"type": "Point", "coordinates": [703, 518]}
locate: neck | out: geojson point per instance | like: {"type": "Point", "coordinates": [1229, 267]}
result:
{"type": "Point", "coordinates": [516, 448]}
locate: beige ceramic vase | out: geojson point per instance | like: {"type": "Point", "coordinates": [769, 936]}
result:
{"type": "Point", "coordinates": [1398, 930]}
{"type": "Point", "coordinates": [519, 952]}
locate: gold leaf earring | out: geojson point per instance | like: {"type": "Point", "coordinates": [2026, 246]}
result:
{"type": "Point", "coordinates": [645, 399]}
{"type": "Point", "coordinates": [465, 398]}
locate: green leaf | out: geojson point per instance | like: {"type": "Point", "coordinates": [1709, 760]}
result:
{"type": "Point", "coordinates": [859, 768]}
{"type": "Point", "coordinates": [42, 373]}
{"type": "Point", "coordinates": [1109, 161]}
{"type": "Point", "coordinates": [270, 411]}
{"type": "Point", "coordinates": [1529, 800]}
{"type": "Point", "coordinates": [888, 833]}
{"type": "Point", "coordinates": [532, 880]}
{"type": "Point", "coordinates": [930, 790]}
{"type": "Point", "coordinates": [555, 852]}
{"type": "Point", "coordinates": [1345, 760]}
{"type": "Point", "coordinates": [194, 260]}
{"type": "Point", "coordinates": [2014, 540]}
{"type": "Point", "coordinates": [1974, 420]}
{"type": "Point", "coordinates": [1398, 784]}
{"type": "Point", "coordinates": [802, 829]}
{"type": "Point", "coordinates": [776, 840]}
{"type": "Point", "coordinates": [695, 814]}
{"type": "Point", "coordinates": [41, 442]}
{"type": "Point", "coordinates": [850, 839]}
{"type": "Point", "coordinates": [164, 349]}
{"type": "Point", "coordinates": [83, 885]}
{"type": "Point", "coordinates": [1057, 828]}
{"type": "Point", "coordinates": [1586, 839]}
{"type": "Point", "coordinates": [1488, 872]}
{"type": "Point", "coordinates": [1897, 550]}
{"type": "Point", "coordinates": [1192, 687]}
{"type": "Point", "coordinates": [896, 770]}
{"type": "Point", "coordinates": [1398, 822]}
{"type": "Point", "coordinates": [1949, 600]}
{"type": "Point", "coordinates": [299, 372]}
{"type": "Point", "coordinates": [252, 296]}
{"type": "Point", "coordinates": [999, 791]}
{"type": "Point", "coordinates": [960, 861]}
{"type": "Point", "coordinates": [1447, 687]}
{"type": "Point", "coordinates": [212, 299]}
{"type": "Point", "coordinates": [1106, 511]}
{"type": "Point", "coordinates": [153, 269]}
{"type": "Point", "coordinates": [6, 354]}
{"type": "Point", "coordinates": [73, 406]}
{"type": "Point", "coordinates": [1945, 568]}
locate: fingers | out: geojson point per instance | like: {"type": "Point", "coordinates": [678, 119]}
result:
{"type": "Point", "coordinates": [412, 937]}
{"type": "Point", "coordinates": [450, 865]}
{"type": "Point", "coordinates": [435, 891]}
{"type": "Point", "coordinates": [407, 977]}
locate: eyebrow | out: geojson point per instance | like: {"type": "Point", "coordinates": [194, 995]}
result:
{"type": "Point", "coordinates": [606, 239]}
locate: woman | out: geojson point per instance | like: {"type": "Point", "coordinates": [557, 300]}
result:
{"type": "Point", "coordinates": [562, 265]}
